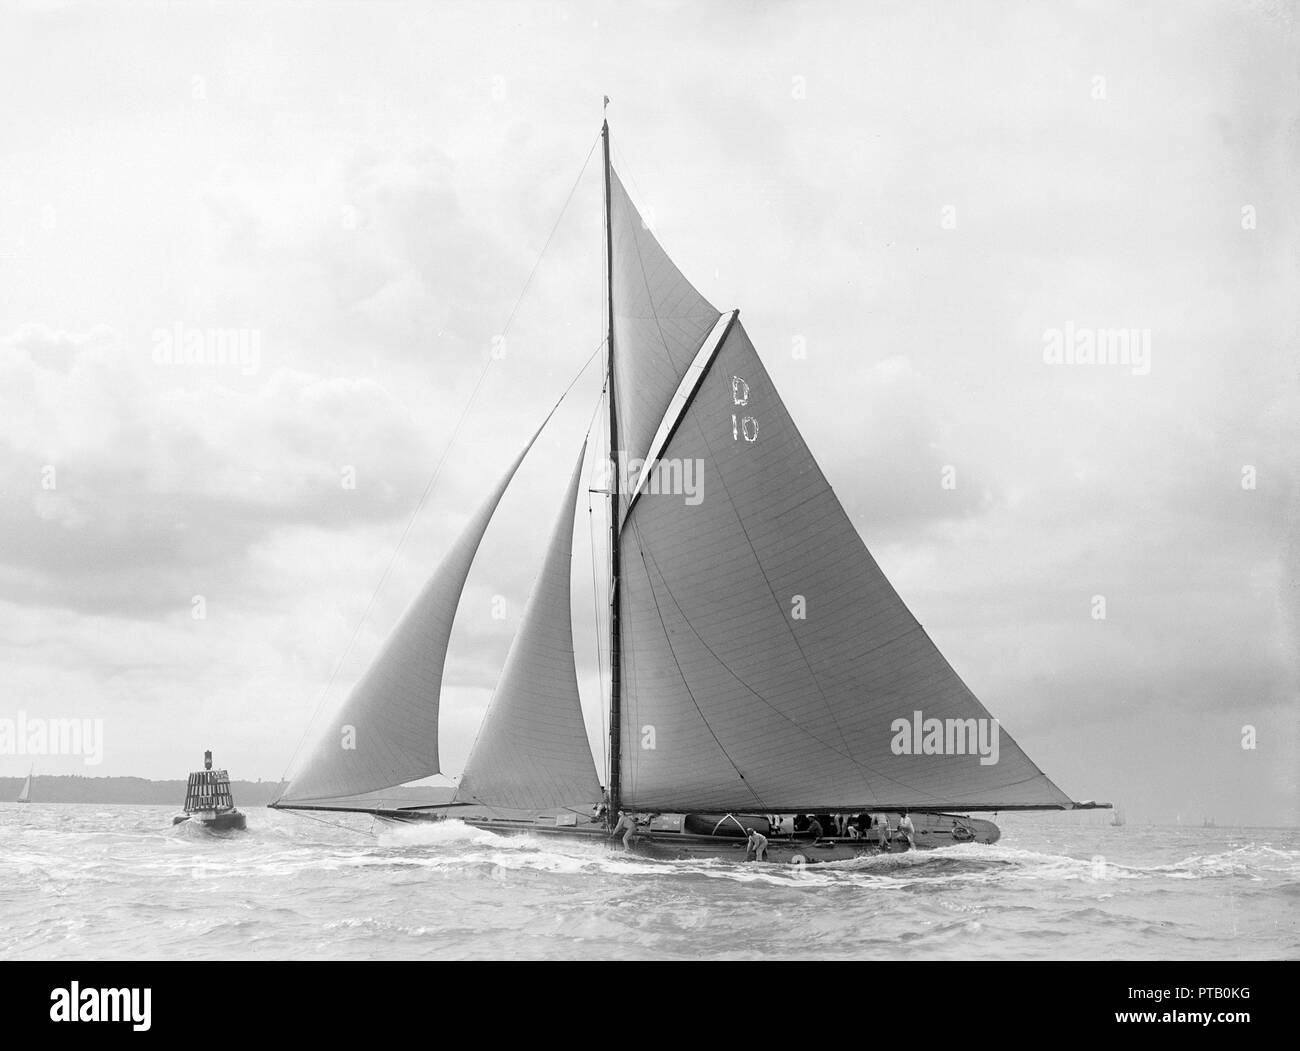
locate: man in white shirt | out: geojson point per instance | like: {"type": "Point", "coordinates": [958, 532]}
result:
{"type": "Point", "coordinates": [906, 827]}
{"type": "Point", "coordinates": [626, 825]}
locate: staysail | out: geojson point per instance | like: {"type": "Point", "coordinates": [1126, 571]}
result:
{"type": "Point", "coordinates": [387, 731]}
{"type": "Point", "coordinates": [532, 749]}
{"type": "Point", "coordinates": [660, 323]}
{"type": "Point", "coordinates": [766, 656]}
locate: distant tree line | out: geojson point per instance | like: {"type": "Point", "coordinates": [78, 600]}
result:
{"type": "Point", "coordinates": [71, 788]}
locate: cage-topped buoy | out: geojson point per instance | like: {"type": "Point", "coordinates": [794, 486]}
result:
{"type": "Point", "coordinates": [209, 801]}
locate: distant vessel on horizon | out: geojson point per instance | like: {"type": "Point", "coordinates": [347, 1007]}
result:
{"type": "Point", "coordinates": [25, 793]}
{"type": "Point", "coordinates": [1119, 821]}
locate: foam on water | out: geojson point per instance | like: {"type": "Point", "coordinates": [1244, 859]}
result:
{"type": "Point", "coordinates": [121, 881]}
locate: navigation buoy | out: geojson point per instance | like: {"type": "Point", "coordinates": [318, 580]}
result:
{"type": "Point", "coordinates": [208, 800]}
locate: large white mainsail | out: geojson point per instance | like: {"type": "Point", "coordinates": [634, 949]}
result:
{"type": "Point", "coordinates": [532, 752]}
{"type": "Point", "coordinates": [766, 656]}
{"type": "Point", "coordinates": [387, 731]}
{"type": "Point", "coordinates": [660, 323]}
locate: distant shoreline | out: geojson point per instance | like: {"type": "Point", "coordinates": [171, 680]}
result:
{"type": "Point", "coordinates": [72, 788]}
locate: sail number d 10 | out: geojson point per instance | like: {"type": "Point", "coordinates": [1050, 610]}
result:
{"type": "Point", "coordinates": [742, 426]}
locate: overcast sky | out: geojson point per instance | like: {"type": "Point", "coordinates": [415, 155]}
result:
{"type": "Point", "coordinates": [909, 196]}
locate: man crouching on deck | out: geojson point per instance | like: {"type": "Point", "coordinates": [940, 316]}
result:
{"type": "Point", "coordinates": [756, 845]}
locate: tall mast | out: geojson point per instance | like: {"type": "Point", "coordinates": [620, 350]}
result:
{"type": "Point", "coordinates": [615, 642]}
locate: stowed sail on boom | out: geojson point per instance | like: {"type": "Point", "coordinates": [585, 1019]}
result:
{"type": "Point", "coordinates": [387, 731]}
{"type": "Point", "coordinates": [766, 657]}
{"type": "Point", "coordinates": [532, 750]}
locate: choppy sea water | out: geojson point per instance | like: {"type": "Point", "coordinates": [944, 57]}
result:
{"type": "Point", "coordinates": [122, 882]}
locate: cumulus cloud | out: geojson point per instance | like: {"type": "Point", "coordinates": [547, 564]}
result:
{"type": "Point", "coordinates": [124, 486]}
{"type": "Point", "coordinates": [368, 195]}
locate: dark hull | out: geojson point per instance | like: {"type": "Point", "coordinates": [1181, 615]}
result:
{"type": "Point", "coordinates": [797, 849]}
{"type": "Point", "coordinates": [227, 821]}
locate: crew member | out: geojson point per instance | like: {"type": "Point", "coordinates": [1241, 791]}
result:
{"type": "Point", "coordinates": [815, 827]}
{"type": "Point", "coordinates": [756, 845]}
{"type": "Point", "coordinates": [908, 831]}
{"type": "Point", "coordinates": [626, 825]}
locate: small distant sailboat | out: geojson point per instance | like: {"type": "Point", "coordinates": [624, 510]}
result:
{"type": "Point", "coordinates": [760, 667]}
{"type": "Point", "coordinates": [25, 794]}
{"type": "Point", "coordinates": [1209, 822]}
{"type": "Point", "coordinates": [1118, 821]}
{"type": "Point", "coordinates": [208, 800]}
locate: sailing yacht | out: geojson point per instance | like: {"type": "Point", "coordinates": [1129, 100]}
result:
{"type": "Point", "coordinates": [25, 793]}
{"type": "Point", "coordinates": [761, 668]}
